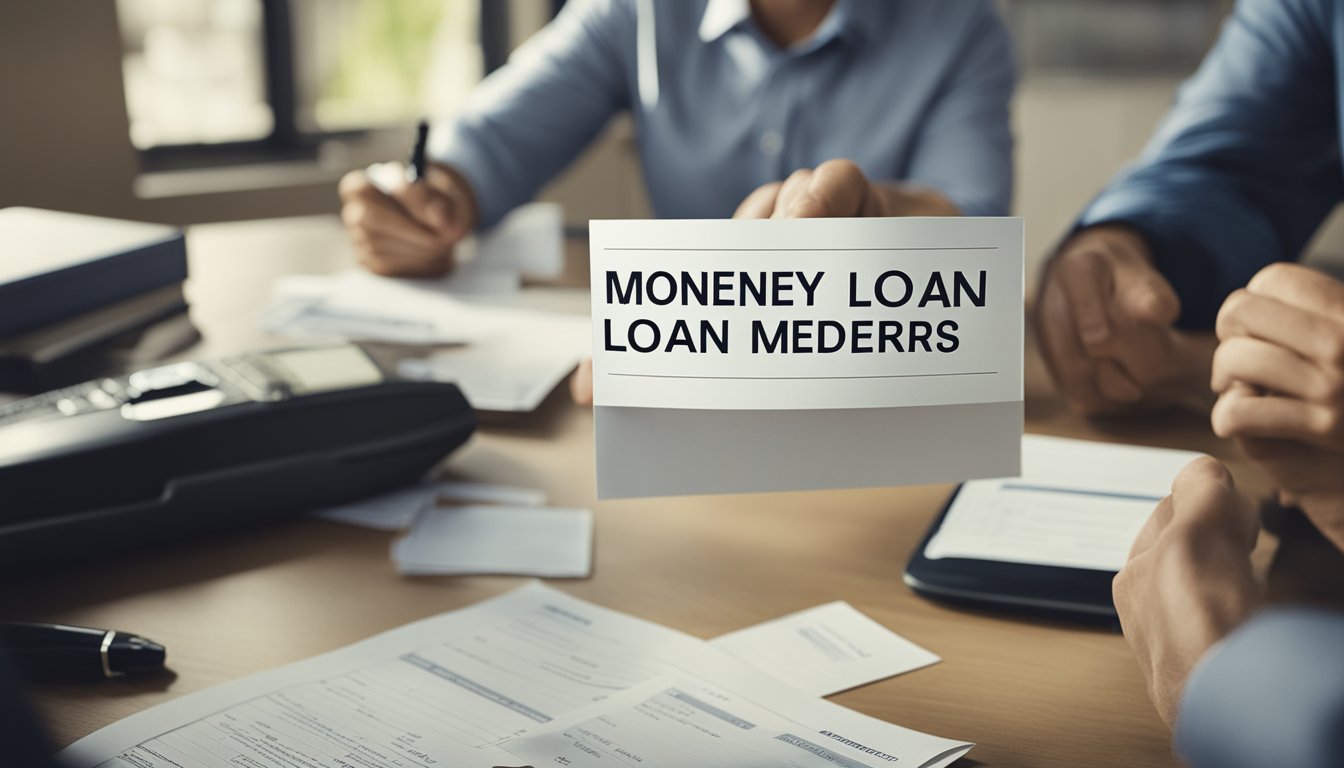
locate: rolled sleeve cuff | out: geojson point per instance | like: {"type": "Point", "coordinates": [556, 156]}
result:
{"type": "Point", "coordinates": [455, 148]}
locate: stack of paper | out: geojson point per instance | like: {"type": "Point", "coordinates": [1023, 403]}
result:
{"type": "Point", "coordinates": [825, 650]}
{"type": "Point", "coordinates": [513, 369]}
{"type": "Point", "coordinates": [512, 359]}
{"type": "Point", "coordinates": [522, 541]}
{"type": "Point", "coordinates": [484, 529]}
{"type": "Point", "coordinates": [398, 510]}
{"type": "Point", "coordinates": [531, 678]}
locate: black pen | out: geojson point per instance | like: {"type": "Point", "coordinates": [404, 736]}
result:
{"type": "Point", "coordinates": [415, 170]}
{"type": "Point", "coordinates": [60, 652]}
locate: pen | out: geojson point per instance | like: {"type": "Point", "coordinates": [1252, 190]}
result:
{"type": "Point", "coordinates": [415, 170]}
{"type": "Point", "coordinates": [61, 652]}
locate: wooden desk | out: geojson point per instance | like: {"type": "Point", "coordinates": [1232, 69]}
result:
{"type": "Point", "coordinates": [1029, 693]}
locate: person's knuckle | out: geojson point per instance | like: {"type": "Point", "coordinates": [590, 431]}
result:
{"type": "Point", "coordinates": [1330, 386]}
{"type": "Point", "coordinates": [1228, 416]}
{"type": "Point", "coordinates": [1078, 255]}
{"type": "Point", "coordinates": [1332, 348]}
{"type": "Point", "coordinates": [1205, 469]}
{"type": "Point", "coordinates": [379, 266]}
{"type": "Point", "coordinates": [816, 205]}
{"type": "Point", "coordinates": [1231, 314]}
{"type": "Point", "coordinates": [1268, 278]}
{"type": "Point", "coordinates": [841, 167]}
{"type": "Point", "coordinates": [353, 183]}
{"type": "Point", "coordinates": [355, 214]}
{"type": "Point", "coordinates": [1329, 423]}
{"type": "Point", "coordinates": [1122, 587]}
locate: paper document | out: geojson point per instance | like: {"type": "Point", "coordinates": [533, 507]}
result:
{"type": "Point", "coordinates": [825, 650]}
{"type": "Point", "coordinates": [507, 359]}
{"type": "Point", "coordinates": [396, 511]}
{"type": "Point", "coordinates": [725, 716]}
{"type": "Point", "coordinates": [1078, 504]}
{"type": "Point", "coordinates": [522, 541]}
{"type": "Point", "coordinates": [454, 689]}
{"type": "Point", "coordinates": [389, 512]}
{"type": "Point", "coordinates": [765, 355]}
{"type": "Point", "coordinates": [513, 370]}
{"type": "Point", "coordinates": [359, 305]}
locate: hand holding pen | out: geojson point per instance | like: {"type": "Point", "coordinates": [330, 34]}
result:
{"type": "Point", "coordinates": [410, 230]}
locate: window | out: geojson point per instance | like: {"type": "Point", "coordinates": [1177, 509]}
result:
{"type": "Point", "coordinates": [194, 71]}
{"type": "Point", "coordinates": [362, 63]}
{"type": "Point", "coordinates": [227, 81]}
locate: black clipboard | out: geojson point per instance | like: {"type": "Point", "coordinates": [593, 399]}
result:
{"type": "Point", "coordinates": [1073, 594]}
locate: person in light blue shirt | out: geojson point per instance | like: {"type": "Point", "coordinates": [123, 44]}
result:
{"type": "Point", "coordinates": [767, 107]}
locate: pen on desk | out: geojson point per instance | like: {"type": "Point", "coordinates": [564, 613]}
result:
{"type": "Point", "coordinates": [415, 169]}
{"type": "Point", "coordinates": [61, 652]}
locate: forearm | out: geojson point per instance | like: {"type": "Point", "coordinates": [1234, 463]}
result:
{"type": "Point", "coordinates": [529, 119]}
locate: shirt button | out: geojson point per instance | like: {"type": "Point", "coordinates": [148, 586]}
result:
{"type": "Point", "coordinates": [771, 143]}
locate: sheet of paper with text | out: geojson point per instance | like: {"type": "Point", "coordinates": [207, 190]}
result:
{"type": "Point", "coordinates": [771, 355]}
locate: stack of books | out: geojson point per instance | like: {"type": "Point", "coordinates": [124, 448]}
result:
{"type": "Point", "coordinates": [71, 284]}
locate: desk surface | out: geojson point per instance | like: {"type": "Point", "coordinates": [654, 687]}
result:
{"type": "Point", "coordinates": [1029, 693]}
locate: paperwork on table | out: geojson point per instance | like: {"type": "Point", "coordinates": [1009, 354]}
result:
{"type": "Point", "coordinates": [513, 370]}
{"type": "Point", "coordinates": [508, 359]}
{"type": "Point", "coordinates": [522, 541]}
{"type": "Point", "coordinates": [1078, 504]}
{"type": "Point", "coordinates": [825, 650]}
{"type": "Point", "coordinates": [533, 677]}
{"type": "Point", "coordinates": [396, 511]}
{"type": "Point", "coordinates": [460, 528]}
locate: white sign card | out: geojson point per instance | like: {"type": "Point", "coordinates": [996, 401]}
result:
{"type": "Point", "coordinates": [786, 354]}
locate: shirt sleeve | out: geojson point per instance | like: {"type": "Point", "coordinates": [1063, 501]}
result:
{"type": "Point", "coordinates": [533, 116]}
{"type": "Point", "coordinates": [965, 146]}
{"type": "Point", "coordinates": [1246, 165]}
{"type": "Point", "coordinates": [1272, 693]}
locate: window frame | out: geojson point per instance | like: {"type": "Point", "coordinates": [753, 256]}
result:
{"type": "Point", "coordinates": [286, 140]}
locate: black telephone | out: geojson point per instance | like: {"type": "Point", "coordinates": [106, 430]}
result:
{"type": "Point", "coordinates": [197, 446]}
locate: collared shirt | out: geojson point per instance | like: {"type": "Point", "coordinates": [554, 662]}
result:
{"type": "Point", "coordinates": [1247, 165]}
{"type": "Point", "coordinates": [911, 90]}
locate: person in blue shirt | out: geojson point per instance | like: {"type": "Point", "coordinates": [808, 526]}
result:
{"type": "Point", "coordinates": [1243, 171]}
{"type": "Point", "coordinates": [1187, 241]}
{"type": "Point", "coordinates": [753, 107]}
{"type": "Point", "coordinates": [1244, 685]}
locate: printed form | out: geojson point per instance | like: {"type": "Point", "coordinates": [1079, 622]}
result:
{"type": "Point", "coordinates": [1078, 504]}
{"type": "Point", "coordinates": [825, 650]}
{"type": "Point", "coordinates": [458, 689]}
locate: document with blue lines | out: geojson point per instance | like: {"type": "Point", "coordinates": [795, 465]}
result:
{"type": "Point", "coordinates": [455, 689]}
{"type": "Point", "coordinates": [849, 329]}
{"type": "Point", "coordinates": [1077, 504]}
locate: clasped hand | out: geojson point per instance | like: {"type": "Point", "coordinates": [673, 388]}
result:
{"type": "Point", "coordinates": [1279, 373]}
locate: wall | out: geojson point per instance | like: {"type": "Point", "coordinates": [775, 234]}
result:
{"type": "Point", "coordinates": [63, 139]}
{"type": "Point", "coordinates": [64, 142]}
